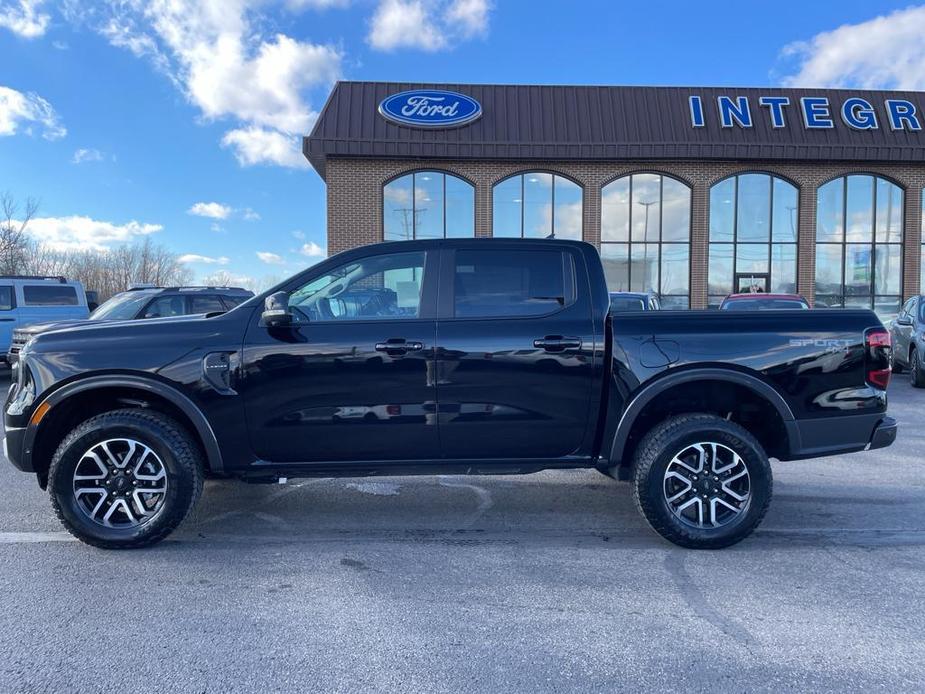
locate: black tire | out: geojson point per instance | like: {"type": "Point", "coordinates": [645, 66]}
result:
{"type": "Point", "coordinates": [668, 439]}
{"type": "Point", "coordinates": [171, 443]}
{"type": "Point", "coordinates": [916, 378]}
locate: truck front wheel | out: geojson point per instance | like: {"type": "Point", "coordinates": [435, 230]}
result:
{"type": "Point", "coordinates": [701, 481]}
{"type": "Point", "coordinates": [125, 478]}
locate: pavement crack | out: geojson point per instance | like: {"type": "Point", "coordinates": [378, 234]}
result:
{"type": "Point", "coordinates": [676, 565]}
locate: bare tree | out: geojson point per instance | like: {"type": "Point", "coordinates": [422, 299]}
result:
{"type": "Point", "coordinates": [14, 241]}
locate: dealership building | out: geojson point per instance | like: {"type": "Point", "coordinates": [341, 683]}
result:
{"type": "Point", "coordinates": [688, 192]}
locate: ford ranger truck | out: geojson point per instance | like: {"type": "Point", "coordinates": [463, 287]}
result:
{"type": "Point", "coordinates": [470, 356]}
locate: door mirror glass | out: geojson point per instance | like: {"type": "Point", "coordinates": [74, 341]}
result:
{"type": "Point", "coordinates": [276, 310]}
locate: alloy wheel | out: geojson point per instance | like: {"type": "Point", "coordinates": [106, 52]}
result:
{"type": "Point", "coordinates": [707, 485]}
{"type": "Point", "coordinates": [120, 483]}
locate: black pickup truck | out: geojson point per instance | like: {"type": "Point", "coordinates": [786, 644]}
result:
{"type": "Point", "coordinates": [476, 356]}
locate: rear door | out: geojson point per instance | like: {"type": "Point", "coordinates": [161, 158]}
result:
{"type": "Point", "coordinates": [514, 362]}
{"type": "Point", "coordinates": [7, 316]}
{"type": "Point", "coordinates": [902, 329]}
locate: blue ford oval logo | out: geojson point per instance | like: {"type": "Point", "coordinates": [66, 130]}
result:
{"type": "Point", "coordinates": [430, 108]}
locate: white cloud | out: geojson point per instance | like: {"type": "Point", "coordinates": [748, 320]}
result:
{"type": "Point", "coordinates": [427, 26]}
{"type": "Point", "coordinates": [270, 258]}
{"type": "Point", "coordinates": [24, 18]}
{"type": "Point", "coordinates": [298, 234]}
{"type": "Point", "coordinates": [213, 210]}
{"type": "Point", "coordinates": [313, 250]}
{"type": "Point", "coordinates": [886, 52]}
{"type": "Point", "coordinates": [214, 52]}
{"type": "Point", "coordinates": [470, 16]}
{"type": "Point", "coordinates": [255, 145]}
{"type": "Point", "coordinates": [250, 215]}
{"type": "Point", "coordinates": [18, 109]}
{"type": "Point", "coordinates": [203, 259]}
{"type": "Point", "coordinates": [83, 233]}
{"type": "Point", "coordinates": [84, 155]}
{"type": "Point", "coordinates": [315, 4]}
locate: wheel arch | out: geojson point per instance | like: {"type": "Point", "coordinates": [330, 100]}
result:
{"type": "Point", "coordinates": [101, 390]}
{"type": "Point", "coordinates": [623, 442]}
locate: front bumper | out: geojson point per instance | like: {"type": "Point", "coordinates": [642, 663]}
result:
{"type": "Point", "coordinates": [13, 448]}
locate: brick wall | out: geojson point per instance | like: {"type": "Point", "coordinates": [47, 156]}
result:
{"type": "Point", "coordinates": [355, 201]}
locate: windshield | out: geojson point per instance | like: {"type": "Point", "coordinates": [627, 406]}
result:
{"type": "Point", "coordinates": [124, 306]}
{"type": "Point", "coordinates": [763, 304]}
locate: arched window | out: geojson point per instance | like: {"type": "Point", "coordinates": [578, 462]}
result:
{"type": "Point", "coordinates": [645, 237]}
{"type": "Point", "coordinates": [427, 205]}
{"type": "Point", "coordinates": [537, 205]}
{"type": "Point", "coordinates": [753, 236]}
{"type": "Point", "coordinates": [859, 233]}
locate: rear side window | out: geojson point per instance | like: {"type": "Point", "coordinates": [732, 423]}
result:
{"type": "Point", "coordinates": [206, 304]}
{"type": "Point", "coordinates": [490, 283]}
{"type": "Point", "coordinates": [165, 306]}
{"type": "Point", "coordinates": [6, 298]}
{"type": "Point", "coordinates": [49, 295]}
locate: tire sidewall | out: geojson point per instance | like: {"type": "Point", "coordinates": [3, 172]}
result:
{"type": "Point", "coordinates": [759, 472]}
{"type": "Point", "coordinates": [152, 434]}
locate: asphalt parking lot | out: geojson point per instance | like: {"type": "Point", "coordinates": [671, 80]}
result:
{"type": "Point", "coordinates": [449, 584]}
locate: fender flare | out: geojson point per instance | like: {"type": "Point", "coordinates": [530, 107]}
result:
{"type": "Point", "coordinates": [182, 402]}
{"type": "Point", "coordinates": [650, 392]}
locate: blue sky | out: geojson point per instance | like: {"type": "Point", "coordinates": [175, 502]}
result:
{"type": "Point", "coordinates": [181, 119]}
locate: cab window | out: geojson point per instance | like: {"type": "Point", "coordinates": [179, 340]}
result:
{"type": "Point", "coordinates": [206, 304]}
{"type": "Point", "coordinates": [380, 287]}
{"type": "Point", "coordinates": [49, 295]}
{"type": "Point", "coordinates": [6, 298]}
{"type": "Point", "coordinates": [492, 283]}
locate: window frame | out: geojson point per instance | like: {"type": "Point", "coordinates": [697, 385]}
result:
{"type": "Point", "coordinates": [661, 242]}
{"type": "Point", "coordinates": [872, 244]}
{"type": "Point", "coordinates": [447, 303]}
{"type": "Point", "coordinates": [552, 201]}
{"type": "Point", "coordinates": [734, 242]}
{"type": "Point", "coordinates": [414, 172]}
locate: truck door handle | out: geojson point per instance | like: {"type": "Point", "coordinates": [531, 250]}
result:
{"type": "Point", "coordinates": [557, 343]}
{"type": "Point", "coordinates": [398, 345]}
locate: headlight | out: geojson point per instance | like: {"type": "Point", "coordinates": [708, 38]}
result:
{"type": "Point", "coordinates": [25, 390]}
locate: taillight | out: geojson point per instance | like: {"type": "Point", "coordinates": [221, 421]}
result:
{"type": "Point", "coordinates": [878, 351]}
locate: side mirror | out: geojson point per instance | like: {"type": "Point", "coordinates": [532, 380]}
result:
{"type": "Point", "coordinates": [903, 320]}
{"type": "Point", "coordinates": [276, 311]}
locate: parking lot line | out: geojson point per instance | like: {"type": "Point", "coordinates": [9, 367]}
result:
{"type": "Point", "coordinates": [27, 537]}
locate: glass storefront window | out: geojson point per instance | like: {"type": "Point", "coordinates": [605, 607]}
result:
{"type": "Point", "coordinates": [427, 205]}
{"type": "Point", "coordinates": [859, 223]}
{"type": "Point", "coordinates": [753, 236]}
{"type": "Point", "coordinates": [537, 205]}
{"type": "Point", "coordinates": [645, 237]}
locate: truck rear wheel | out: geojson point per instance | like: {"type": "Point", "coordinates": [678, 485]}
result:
{"type": "Point", "coordinates": [701, 481]}
{"type": "Point", "coordinates": [125, 479]}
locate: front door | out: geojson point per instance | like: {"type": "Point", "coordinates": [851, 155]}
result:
{"type": "Point", "coordinates": [752, 283]}
{"type": "Point", "coordinates": [515, 363]}
{"type": "Point", "coordinates": [353, 378]}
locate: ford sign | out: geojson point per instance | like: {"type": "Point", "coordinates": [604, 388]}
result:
{"type": "Point", "coordinates": [430, 108]}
